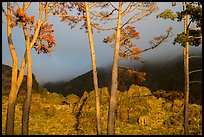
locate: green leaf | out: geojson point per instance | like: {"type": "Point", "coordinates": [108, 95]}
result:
{"type": "Point", "coordinates": [167, 14]}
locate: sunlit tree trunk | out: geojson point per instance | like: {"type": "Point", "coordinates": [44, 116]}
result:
{"type": "Point", "coordinates": [13, 92]}
{"type": "Point", "coordinates": [95, 79]}
{"type": "Point", "coordinates": [27, 101]}
{"type": "Point", "coordinates": [186, 77]}
{"type": "Point", "coordinates": [113, 97]}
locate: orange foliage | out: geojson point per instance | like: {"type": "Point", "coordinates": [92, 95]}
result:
{"type": "Point", "coordinates": [45, 39]}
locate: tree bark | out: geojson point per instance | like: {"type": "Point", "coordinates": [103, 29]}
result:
{"type": "Point", "coordinates": [95, 79]}
{"type": "Point", "coordinates": [113, 97]}
{"type": "Point", "coordinates": [27, 101]}
{"type": "Point", "coordinates": [13, 92]}
{"type": "Point", "coordinates": [186, 77]}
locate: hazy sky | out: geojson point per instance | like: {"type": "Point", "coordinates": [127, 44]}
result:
{"type": "Point", "coordinates": [72, 53]}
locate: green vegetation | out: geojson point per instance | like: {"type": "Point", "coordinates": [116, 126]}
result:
{"type": "Point", "coordinates": [138, 112]}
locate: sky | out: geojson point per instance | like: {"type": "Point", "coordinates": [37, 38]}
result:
{"type": "Point", "coordinates": [72, 53]}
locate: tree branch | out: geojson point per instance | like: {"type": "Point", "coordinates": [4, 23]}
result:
{"type": "Point", "coordinates": [4, 11]}
{"type": "Point", "coordinates": [26, 6]}
{"type": "Point", "coordinates": [37, 28]}
{"type": "Point", "coordinates": [45, 12]}
{"type": "Point", "coordinates": [195, 82]}
{"type": "Point", "coordinates": [18, 5]}
{"type": "Point", "coordinates": [199, 70]}
{"type": "Point", "coordinates": [22, 69]}
{"type": "Point", "coordinates": [92, 5]}
{"type": "Point", "coordinates": [125, 10]}
{"type": "Point", "coordinates": [53, 6]}
{"type": "Point", "coordinates": [102, 16]}
{"type": "Point", "coordinates": [158, 43]}
{"type": "Point", "coordinates": [100, 28]}
{"type": "Point", "coordinates": [195, 57]}
{"type": "Point", "coordinates": [113, 6]}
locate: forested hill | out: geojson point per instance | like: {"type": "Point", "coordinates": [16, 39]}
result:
{"type": "Point", "coordinates": [81, 83]}
{"type": "Point", "coordinates": [161, 76]}
{"type": "Point", "coordinates": [170, 76]}
{"type": "Point", "coordinates": [6, 80]}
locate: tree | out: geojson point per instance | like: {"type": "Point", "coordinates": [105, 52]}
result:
{"type": "Point", "coordinates": [83, 7]}
{"type": "Point", "coordinates": [16, 79]}
{"type": "Point", "coordinates": [124, 33]}
{"type": "Point", "coordinates": [192, 12]}
{"type": "Point", "coordinates": [95, 79]}
{"type": "Point", "coordinates": [124, 37]}
{"type": "Point", "coordinates": [42, 40]}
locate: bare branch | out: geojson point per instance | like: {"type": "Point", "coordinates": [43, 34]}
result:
{"type": "Point", "coordinates": [105, 16]}
{"type": "Point", "coordinates": [26, 6]}
{"type": "Point", "coordinates": [45, 12]}
{"type": "Point", "coordinates": [195, 37]}
{"type": "Point", "coordinates": [194, 28]}
{"type": "Point", "coordinates": [55, 5]}
{"type": "Point", "coordinates": [92, 5]}
{"type": "Point", "coordinates": [195, 82]}
{"type": "Point", "coordinates": [195, 57]}
{"type": "Point", "coordinates": [46, 6]}
{"type": "Point", "coordinates": [39, 23]}
{"type": "Point", "coordinates": [4, 11]}
{"type": "Point", "coordinates": [100, 28]}
{"type": "Point", "coordinates": [22, 69]}
{"type": "Point", "coordinates": [65, 15]}
{"type": "Point", "coordinates": [40, 12]}
{"type": "Point", "coordinates": [156, 45]}
{"type": "Point", "coordinates": [130, 10]}
{"type": "Point", "coordinates": [199, 70]}
{"type": "Point", "coordinates": [113, 6]}
{"type": "Point", "coordinates": [129, 20]}
{"type": "Point", "coordinates": [126, 9]}
{"type": "Point", "coordinates": [138, 4]}
{"type": "Point", "coordinates": [18, 5]}
{"type": "Point", "coordinates": [135, 17]}
{"type": "Point", "coordinates": [124, 39]}
{"type": "Point", "coordinates": [23, 5]}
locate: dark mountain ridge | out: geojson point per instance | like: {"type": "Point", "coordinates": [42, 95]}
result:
{"type": "Point", "coordinates": [160, 76]}
{"type": "Point", "coordinates": [6, 80]}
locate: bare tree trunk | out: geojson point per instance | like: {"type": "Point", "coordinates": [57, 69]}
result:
{"type": "Point", "coordinates": [12, 102]}
{"type": "Point", "coordinates": [186, 77]}
{"type": "Point", "coordinates": [113, 97]}
{"type": "Point", "coordinates": [27, 101]}
{"type": "Point", "coordinates": [13, 92]}
{"type": "Point", "coordinates": [95, 79]}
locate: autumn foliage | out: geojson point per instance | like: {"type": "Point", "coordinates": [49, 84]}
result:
{"type": "Point", "coordinates": [21, 17]}
{"type": "Point", "coordinates": [45, 40]}
{"type": "Point", "coordinates": [128, 45]}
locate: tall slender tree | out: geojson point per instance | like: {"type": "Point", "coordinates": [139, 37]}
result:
{"type": "Point", "coordinates": [113, 101]}
{"type": "Point", "coordinates": [192, 12]}
{"type": "Point", "coordinates": [95, 79]}
{"type": "Point", "coordinates": [127, 14]}
{"type": "Point", "coordinates": [82, 9]}
{"type": "Point", "coordinates": [124, 32]}
{"type": "Point", "coordinates": [40, 40]}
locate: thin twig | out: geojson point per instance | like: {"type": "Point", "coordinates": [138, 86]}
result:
{"type": "Point", "coordinates": [195, 82]}
{"type": "Point", "coordinates": [199, 70]}
{"type": "Point", "coordinates": [26, 6]}
{"type": "Point", "coordinates": [195, 57]}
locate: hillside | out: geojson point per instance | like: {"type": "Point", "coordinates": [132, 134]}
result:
{"type": "Point", "coordinates": [6, 80]}
{"type": "Point", "coordinates": [81, 83]}
{"type": "Point", "coordinates": [139, 112]}
{"type": "Point", "coordinates": [159, 76]}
